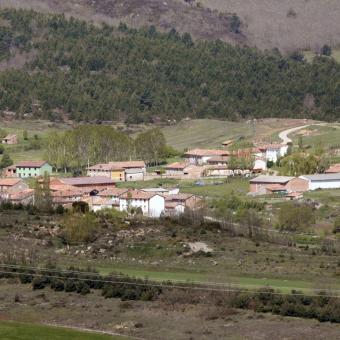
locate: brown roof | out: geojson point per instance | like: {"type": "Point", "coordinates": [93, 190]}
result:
{"type": "Point", "coordinates": [333, 169]}
{"type": "Point", "coordinates": [206, 152]}
{"type": "Point", "coordinates": [87, 180]}
{"type": "Point", "coordinates": [172, 205]}
{"type": "Point", "coordinates": [177, 165]}
{"type": "Point", "coordinates": [218, 159]}
{"type": "Point", "coordinates": [128, 164]}
{"type": "Point", "coordinates": [178, 197]}
{"type": "Point", "coordinates": [138, 195]}
{"type": "Point", "coordinates": [10, 137]}
{"type": "Point", "coordinates": [30, 164]}
{"type": "Point", "coordinates": [113, 192]}
{"type": "Point", "coordinates": [9, 182]}
{"type": "Point", "coordinates": [67, 193]}
{"type": "Point", "coordinates": [22, 194]}
{"type": "Point", "coordinates": [270, 146]}
{"type": "Point", "coordinates": [103, 167]}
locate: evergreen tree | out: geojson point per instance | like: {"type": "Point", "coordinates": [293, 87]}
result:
{"type": "Point", "coordinates": [5, 161]}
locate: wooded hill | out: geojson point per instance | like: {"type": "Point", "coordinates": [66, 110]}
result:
{"type": "Point", "coordinates": [103, 73]}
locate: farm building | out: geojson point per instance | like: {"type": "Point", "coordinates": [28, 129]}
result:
{"type": "Point", "coordinates": [119, 171]}
{"type": "Point", "coordinates": [322, 181]}
{"type": "Point", "coordinates": [151, 204]}
{"type": "Point", "coordinates": [201, 156]}
{"type": "Point", "coordinates": [26, 169]}
{"type": "Point", "coordinates": [188, 200]}
{"type": "Point", "coordinates": [85, 183]}
{"type": "Point", "coordinates": [175, 169]}
{"type": "Point", "coordinates": [277, 184]}
{"type": "Point", "coordinates": [10, 140]}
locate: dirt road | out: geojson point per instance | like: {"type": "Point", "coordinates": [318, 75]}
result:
{"type": "Point", "coordinates": [284, 134]}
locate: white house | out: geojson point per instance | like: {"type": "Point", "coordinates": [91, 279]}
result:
{"type": "Point", "coordinates": [151, 204]}
{"type": "Point", "coordinates": [272, 152]}
{"type": "Point", "coordinates": [322, 181]}
{"type": "Point", "coordinates": [260, 164]}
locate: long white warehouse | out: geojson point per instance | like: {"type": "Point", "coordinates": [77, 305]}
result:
{"type": "Point", "coordinates": [322, 181]}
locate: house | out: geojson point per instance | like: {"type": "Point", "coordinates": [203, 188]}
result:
{"type": "Point", "coordinates": [134, 174]}
{"type": "Point", "coordinates": [218, 160]}
{"type": "Point", "coordinates": [87, 184]}
{"type": "Point", "coordinates": [10, 171]}
{"type": "Point", "coordinates": [10, 139]}
{"type": "Point", "coordinates": [175, 169]}
{"type": "Point", "coordinates": [66, 196]}
{"type": "Point", "coordinates": [27, 169]}
{"type": "Point", "coordinates": [322, 181]}
{"type": "Point", "coordinates": [277, 184]}
{"type": "Point", "coordinates": [174, 208]}
{"type": "Point", "coordinates": [97, 203]}
{"type": "Point", "coordinates": [260, 165]}
{"type": "Point", "coordinates": [151, 204]}
{"type": "Point", "coordinates": [187, 200]}
{"type": "Point", "coordinates": [184, 170]}
{"type": "Point", "coordinates": [333, 169]}
{"type": "Point", "coordinates": [218, 171]}
{"type": "Point", "coordinates": [272, 152]}
{"type": "Point", "coordinates": [119, 171]}
{"type": "Point", "coordinates": [106, 170]}
{"type": "Point", "coordinates": [113, 194]}
{"type": "Point", "coordinates": [12, 186]}
{"type": "Point", "coordinates": [24, 197]}
{"type": "Point", "coordinates": [201, 156]}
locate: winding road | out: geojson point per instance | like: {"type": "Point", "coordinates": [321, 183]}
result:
{"type": "Point", "coordinates": [283, 135]}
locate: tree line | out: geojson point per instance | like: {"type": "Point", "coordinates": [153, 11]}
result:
{"type": "Point", "coordinates": [88, 144]}
{"type": "Point", "coordinates": [105, 73]}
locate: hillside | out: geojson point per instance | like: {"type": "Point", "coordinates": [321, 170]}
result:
{"type": "Point", "coordinates": [55, 68]}
{"type": "Point", "coordinates": [285, 24]}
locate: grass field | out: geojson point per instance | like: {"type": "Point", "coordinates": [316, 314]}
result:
{"type": "Point", "coordinates": [327, 135]}
{"type": "Point", "coordinates": [212, 188]}
{"type": "Point", "coordinates": [21, 331]}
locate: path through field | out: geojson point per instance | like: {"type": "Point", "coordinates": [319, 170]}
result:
{"type": "Point", "coordinates": [284, 134]}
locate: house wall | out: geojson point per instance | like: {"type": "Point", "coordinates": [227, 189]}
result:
{"type": "Point", "coordinates": [297, 185]}
{"type": "Point", "coordinates": [262, 187]}
{"type": "Point", "coordinates": [102, 173]}
{"type": "Point", "coordinates": [20, 186]}
{"type": "Point", "coordinates": [118, 175]}
{"type": "Point", "coordinates": [156, 206]}
{"type": "Point", "coordinates": [136, 176]}
{"type": "Point", "coordinates": [34, 172]}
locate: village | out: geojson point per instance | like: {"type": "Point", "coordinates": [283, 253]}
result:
{"type": "Point", "coordinates": [100, 187]}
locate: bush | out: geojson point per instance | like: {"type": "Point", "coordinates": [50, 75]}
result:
{"type": "Point", "coordinates": [40, 282]}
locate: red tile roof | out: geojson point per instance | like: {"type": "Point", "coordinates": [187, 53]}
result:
{"type": "Point", "coordinates": [87, 180]}
{"type": "Point", "coordinates": [178, 197]}
{"type": "Point", "coordinates": [9, 182]}
{"type": "Point", "coordinates": [30, 164]}
{"type": "Point", "coordinates": [333, 169]}
{"type": "Point", "coordinates": [177, 165]}
{"type": "Point", "coordinates": [138, 195]}
{"type": "Point", "coordinates": [112, 192]}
